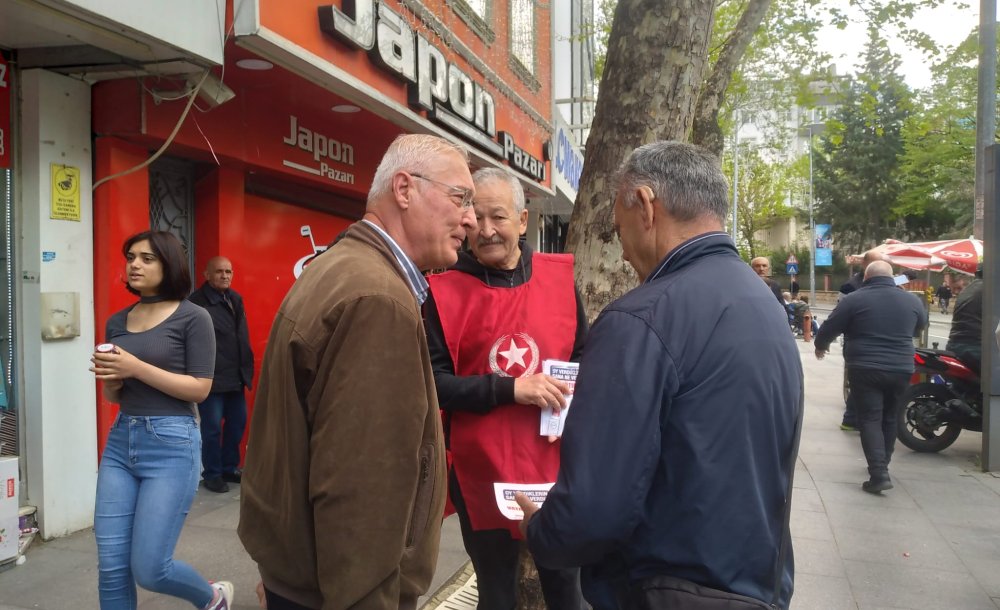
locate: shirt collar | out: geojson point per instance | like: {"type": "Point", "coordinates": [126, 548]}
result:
{"type": "Point", "coordinates": [418, 284]}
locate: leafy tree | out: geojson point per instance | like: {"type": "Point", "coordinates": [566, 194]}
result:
{"type": "Point", "coordinates": [660, 55]}
{"type": "Point", "coordinates": [938, 167]}
{"type": "Point", "coordinates": [856, 176]}
{"type": "Point", "coordinates": [762, 197]}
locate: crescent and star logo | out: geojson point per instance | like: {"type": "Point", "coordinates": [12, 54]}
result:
{"type": "Point", "coordinates": [519, 354]}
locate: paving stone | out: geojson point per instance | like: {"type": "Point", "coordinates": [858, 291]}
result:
{"type": "Point", "coordinates": [879, 585]}
{"type": "Point", "coordinates": [810, 525]}
{"type": "Point", "coordinates": [819, 557]}
{"type": "Point", "coordinates": [816, 592]}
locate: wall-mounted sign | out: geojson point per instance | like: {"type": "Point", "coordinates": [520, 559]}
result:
{"type": "Point", "coordinates": [323, 149]}
{"type": "Point", "coordinates": [65, 204]}
{"type": "Point", "coordinates": [448, 94]}
{"type": "Point", "coordinates": [5, 97]}
{"type": "Point", "coordinates": [569, 161]}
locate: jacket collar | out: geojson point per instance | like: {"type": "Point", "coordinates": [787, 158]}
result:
{"type": "Point", "coordinates": [879, 281]}
{"type": "Point", "coordinates": [212, 295]}
{"type": "Point", "coordinates": [706, 244]}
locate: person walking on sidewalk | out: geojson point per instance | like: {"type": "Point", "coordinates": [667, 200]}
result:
{"type": "Point", "coordinates": [491, 320]}
{"type": "Point", "coordinates": [158, 362]}
{"type": "Point", "coordinates": [879, 322]}
{"type": "Point", "coordinates": [943, 295]}
{"type": "Point", "coordinates": [679, 447]}
{"type": "Point", "coordinates": [224, 412]}
{"type": "Point", "coordinates": [344, 479]}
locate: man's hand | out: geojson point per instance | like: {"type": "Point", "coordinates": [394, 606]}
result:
{"type": "Point", "coordinates": [540, 390]}
{"type": "Point", "coordinates": [529, 508]}
{"type": "Point", "coordinates": [820, 353]}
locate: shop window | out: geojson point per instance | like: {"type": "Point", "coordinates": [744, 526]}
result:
{"type": "Point", "coordinates": [171, 201]}
{"type": "Point", "coordinates": [522, 41]}
{"type": "Point", "coordinates": [477, 14]}
{"type": "Point", "coordinates": [8, 405]}
{"type": "Point", "coordinates": [554, 232]}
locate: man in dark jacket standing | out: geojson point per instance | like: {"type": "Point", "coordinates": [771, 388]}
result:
{"type": "Point", "coordinates": [967, 324]}
{"type": "Point", "coordinates": [879, 322]}
{"type": "Point", "coordinates": [679, 445]}
{"type": "Point", "coordinates": [224, 412]}
{"type": "Point", "coordinates": [490, 321]}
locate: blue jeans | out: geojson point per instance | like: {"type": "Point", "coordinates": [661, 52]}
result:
{"type": "Point", "coordinates": [145, 485]}
{"type": "Point", "coordinates": [220, 442]}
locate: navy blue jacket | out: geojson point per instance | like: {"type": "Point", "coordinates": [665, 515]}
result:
{"type": "Point", "coordinates": [678, 443]}
{"type": "Point", "coordinates": [879, 322]}
{"type": "Point", "coordinates": [233, 356]}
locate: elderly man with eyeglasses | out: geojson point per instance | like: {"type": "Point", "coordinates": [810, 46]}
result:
{"type": "Point", "coordinates": [344, 481]}
{"type": "Point", "coordinates": [490, 321]}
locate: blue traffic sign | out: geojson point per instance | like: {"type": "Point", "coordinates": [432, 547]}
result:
{"type": "Point", "coordinates": [792, 269]}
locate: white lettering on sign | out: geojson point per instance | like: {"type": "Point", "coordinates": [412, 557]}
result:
{"type": "Point", "coordinates": [3, 142]}
{"type": "Point", "coordinates": [393, 44]}
{"type": "Point", "coordinates": [3, 75]}
{"type": "Point", "coordinates": [519, 158]}
{"type": "Point", "coordinates": [319, 145]}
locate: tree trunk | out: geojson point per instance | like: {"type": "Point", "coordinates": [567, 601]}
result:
{"type": "Point", "coordinates": [656, 62]}
{"type": "Point", "coordinates": [707, 132]}
{"type": "Point", "coordinates": [529, 589]}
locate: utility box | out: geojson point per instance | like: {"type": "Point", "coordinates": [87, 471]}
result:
{"type": "Point", "coordinates": [10, 531]}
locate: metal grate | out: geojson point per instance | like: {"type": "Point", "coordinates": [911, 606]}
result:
{"type": "Point", "coordinates": [171, 200]}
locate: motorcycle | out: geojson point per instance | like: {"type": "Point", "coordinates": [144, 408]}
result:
{"type": "Point", "coordinates": [932, 413]}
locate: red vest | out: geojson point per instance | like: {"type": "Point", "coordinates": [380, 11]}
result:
{"type": "Point", "coordinates": [508, 332]}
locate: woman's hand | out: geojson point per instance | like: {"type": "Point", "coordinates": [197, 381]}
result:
{"type": "Point", "coordinates": [114, 366]}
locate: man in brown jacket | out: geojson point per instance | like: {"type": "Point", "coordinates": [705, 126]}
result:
{"type": "Point", "coordinates": [344, 481]}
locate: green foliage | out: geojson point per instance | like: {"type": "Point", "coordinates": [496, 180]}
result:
{"type": "Point", "coordinates": [938, 168]}
{"type": "Point", "coordinates": [857, 178]}
{"type": "Point", "coordinates": [762, 196]}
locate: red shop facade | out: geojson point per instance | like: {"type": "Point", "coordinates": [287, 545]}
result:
{"type": "Point", "coordinates": [271, 175]}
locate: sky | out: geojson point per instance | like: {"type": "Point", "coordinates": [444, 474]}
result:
{"type": "Point", "coordinates": [946, 24]}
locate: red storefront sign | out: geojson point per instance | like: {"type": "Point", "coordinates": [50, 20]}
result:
{"type": "Point", "coordinates": [5, 88]}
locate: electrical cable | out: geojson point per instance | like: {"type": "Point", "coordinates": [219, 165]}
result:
{"type": "Point", "coordinates": [170, 138]}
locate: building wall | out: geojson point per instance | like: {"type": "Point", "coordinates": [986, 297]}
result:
{"type": "Point", "coordinates": [56, 386]}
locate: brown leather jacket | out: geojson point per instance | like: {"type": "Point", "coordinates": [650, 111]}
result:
{"type": "Point", "coordinates": [344, 484]}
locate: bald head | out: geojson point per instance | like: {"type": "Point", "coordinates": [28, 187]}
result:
{"type": "Point", "coordinates": [878, 269]}
{"type": "Point", "coordinates": [219, 273]}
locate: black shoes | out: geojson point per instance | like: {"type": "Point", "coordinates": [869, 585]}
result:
{"type": "Point", "coordinates": [876, 486]}
{"type": "Point", "coordinates": [233, 477]}
{"type": "Point", "coordinates": [216, 484]}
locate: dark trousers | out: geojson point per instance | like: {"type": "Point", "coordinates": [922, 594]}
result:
{"type": "Point", "coordinates": [223, 420]}
{"type": "Point", "coordinates": [494, 555]}
{"type": "Point", "coordinates": [876, 395]}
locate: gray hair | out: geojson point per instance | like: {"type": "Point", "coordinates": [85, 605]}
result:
{"type": "Point", "coordinates": [687, 179]}
{"type": "Point", "coordinates": [412, 152]}
{"type": "Point", "coordinates": [496, 174]}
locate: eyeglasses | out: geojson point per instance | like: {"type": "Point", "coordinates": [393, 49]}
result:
{"type": "Point", "coordinates": [453, 191]}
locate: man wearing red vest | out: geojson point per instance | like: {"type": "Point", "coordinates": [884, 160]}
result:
{"type": "Point", "coordinates": [490, 322]}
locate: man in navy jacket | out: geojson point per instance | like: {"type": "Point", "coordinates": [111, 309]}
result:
{"type": "Point", "coordinates": [879, 322]}
{"type": "Point", "coordinates": [678, 446]}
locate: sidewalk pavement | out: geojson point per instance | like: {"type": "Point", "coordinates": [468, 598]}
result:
{"type": "Point", "coordinates": [931, 542]}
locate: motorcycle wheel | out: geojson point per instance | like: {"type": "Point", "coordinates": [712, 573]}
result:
{"type": "Point", "coordinates": [918, 422]}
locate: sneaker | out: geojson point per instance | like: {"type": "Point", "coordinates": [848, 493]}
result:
{"type": "Point", "coordinates": [216, 484]}
{"type": "Point", "coordinates": [876, 486]}
{"type": "Point", "coordinates": [225, 597]}
{"type": "Point", "coordinates": [235, 476]}
{"type": "Point", "coordinates": [848, 428]}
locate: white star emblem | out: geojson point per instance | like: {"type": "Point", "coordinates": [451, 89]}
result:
{"type": "Point", "coordinates": [514, 355]}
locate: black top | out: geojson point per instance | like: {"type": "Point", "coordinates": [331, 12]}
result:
{"type": "Point", "coordinates": [480, 393]}
{"type": "Point", "coordinates": [233, 356]}
{"type": "Point", "coordinates": [879, 321]}
{"type": "Point", "coordinates": [183, 344]}
{"type": "Point", "coordinates": [967, 319]}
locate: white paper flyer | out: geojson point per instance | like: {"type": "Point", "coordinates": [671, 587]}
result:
{"type": "Point", "coordinates": [536, 492]}
{"type": "Point", "coordinates": [552, 423]}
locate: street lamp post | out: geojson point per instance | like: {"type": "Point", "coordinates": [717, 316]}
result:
{"type": "Point", "coordinates": [813, 128]}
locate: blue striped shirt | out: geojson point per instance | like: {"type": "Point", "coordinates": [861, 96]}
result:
{"type": "Point", "coordinates": [418, 284]}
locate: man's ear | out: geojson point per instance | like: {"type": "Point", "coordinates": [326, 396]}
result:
{"type": "Point", "coordinates": [402, 189]}
{"type": "Point", "coordinates": [647, 205]}
{"type": "Point", "coordinates": [523, 226]}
